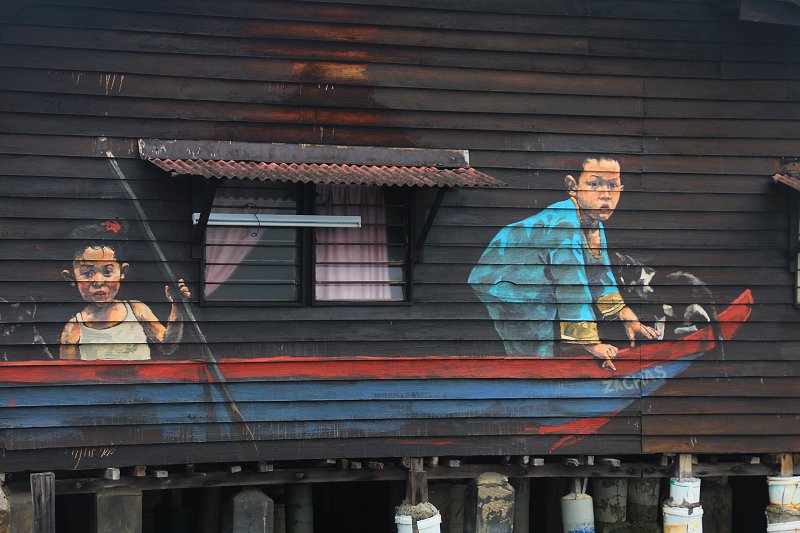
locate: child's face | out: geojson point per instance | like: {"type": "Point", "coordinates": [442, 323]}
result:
{"type": "Point", "coordinates": [598, 189]}
{"type": "Point", "coordinates": [98, 274]}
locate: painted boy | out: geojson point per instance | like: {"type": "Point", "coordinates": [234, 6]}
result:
{"type": "Point", "coordinates": [108, 328]}
{"type": "Point", "coordinates": [553, 267]}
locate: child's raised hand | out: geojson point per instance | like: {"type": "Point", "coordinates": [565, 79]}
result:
{"type": "Point", "coordinates": [184, 290]}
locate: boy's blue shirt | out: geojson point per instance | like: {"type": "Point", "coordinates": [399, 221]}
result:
{"type": "Point", "coordinates": [537, 271]}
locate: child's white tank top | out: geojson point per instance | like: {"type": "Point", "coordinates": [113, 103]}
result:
{"type": "Point", "coordinates": [126, 341]}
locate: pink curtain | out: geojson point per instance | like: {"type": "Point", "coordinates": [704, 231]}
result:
{"type": "Point", "coordinates": [228, 246]}
{"type": "Point", "coordinates": [352, 263]}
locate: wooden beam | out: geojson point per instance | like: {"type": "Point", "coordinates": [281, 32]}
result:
{"type": "Point", "coordinates": [416, 483]}
{"type": "Point", "coordinates": [683, 468]}
{"type": "Point", "coordinates": [43, 492]}
{"type": "Point", "coordinates": [301, 153]}
{"type": "Point", "coordinates": [787, 464]}
{"type": "Point", "coordinates": [537, 468]}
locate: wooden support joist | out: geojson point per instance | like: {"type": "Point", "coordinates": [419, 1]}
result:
{"type": "Point", "coordinates": [683, 468]}
{"type": "Point", "coordinates": [611, 462]}
{"type": "Point", "coordinates": [416, 482]}
{"type": "Point", "coordinates": [787, 464]}
{"type": "Point", "coordinates": [157, 473]}
{"type": "Point", "coordinates": [537, 468]}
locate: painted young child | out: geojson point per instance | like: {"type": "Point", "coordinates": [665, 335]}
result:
{"type": "Point", "coordinates": [553, 267]}
{"type": "Point", "coordinates": [108, 328]}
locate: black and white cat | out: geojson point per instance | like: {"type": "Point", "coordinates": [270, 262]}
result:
{"type": "Point", "coordinates": [692, 306]}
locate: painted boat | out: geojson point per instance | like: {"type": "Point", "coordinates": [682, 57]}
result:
{"type": "Point", "coordinates": [316, 397]}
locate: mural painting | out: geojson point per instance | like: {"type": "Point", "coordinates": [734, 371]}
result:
{"type": "Point", "coordinates": [564, 307]}
{"type": "Point", "coordinates": [108, 328]}
{"type": "Point", "coordinates": [552, 291]}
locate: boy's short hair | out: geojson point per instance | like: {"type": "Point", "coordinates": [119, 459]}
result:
{"type": "Point", "coordinates": [598, 158]}
{"type": "Point", "coordinates": [106, 234]}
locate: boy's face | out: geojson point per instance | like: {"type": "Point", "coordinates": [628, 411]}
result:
{"type": "Point", "coordinates": [598, 188]}
{"type": "Point", "coordinates": [98, 274]}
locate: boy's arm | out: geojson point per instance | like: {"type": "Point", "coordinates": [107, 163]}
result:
{"type": "Point", "coordinates": [70, 337]}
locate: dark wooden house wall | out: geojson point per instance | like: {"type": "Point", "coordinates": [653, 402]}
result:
{"type": "Point", "coordinates": [698, 107]}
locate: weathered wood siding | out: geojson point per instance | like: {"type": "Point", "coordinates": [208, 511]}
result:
{"type": "Point", "coordinates": [698, 108]}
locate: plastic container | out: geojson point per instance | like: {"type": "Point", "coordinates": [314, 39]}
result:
{"type": "Point", "coordinates": [430, 525]}
{"type": "Point", "coordinates": [785, 527]}
{"type": "Point", "coordinates": [784, 491]}
{"type": "Point", "coordinates": [683, 519]}
{"type": "Point", "coordinates": [577, 513]}
{"type": "Point", "coordinates": [403, 523]}
{"type": "Point", "coordinates": [685, 491]}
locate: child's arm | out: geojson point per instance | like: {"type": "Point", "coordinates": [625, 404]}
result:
{"type": "Point", "coordinates": [70, 337]}
{"type": "Point", "coordinates": [155, 331]}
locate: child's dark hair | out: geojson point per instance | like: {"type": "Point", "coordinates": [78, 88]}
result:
{"type": "Point", "coordinates": [106, 234]}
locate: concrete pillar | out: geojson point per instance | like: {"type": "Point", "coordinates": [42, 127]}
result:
{"type": "Point", "coordinates": [522, 503]}
{"type": "Point", "coordinates": [643, 499]}
{"type": "Point", "coordinates": [299, 508]}
{"type": "Point", "coordinates": [610, 497]}
{"type": "Point", "coordinates": [489, 505]}
{"type": "Point", "coordinates": [716, 498]}
{"type": "Point", "coordinates": [251, 511]}
{"type": "Point", "coordinates": [16, 515]}
{"type": "Point", "coordinates": [118, 510]}
{"type": "Point", "coordinates": [280, 518]}
{"type": "Point", "coordinates": [458, 494]}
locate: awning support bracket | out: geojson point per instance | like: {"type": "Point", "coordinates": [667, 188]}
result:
{"type": "Point", "coordinates": [426, 227]}
{"type": "Point", "coordinates": [199, 230]}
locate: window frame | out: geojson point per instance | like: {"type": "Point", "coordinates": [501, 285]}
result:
{"type": "Point", "coordinates": [306, 249]}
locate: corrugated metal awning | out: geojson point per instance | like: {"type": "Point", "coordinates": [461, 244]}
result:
{"type": "Point", "coordinates": [330, 173]}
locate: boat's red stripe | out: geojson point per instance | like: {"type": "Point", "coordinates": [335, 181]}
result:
{"type": "Point", "coordinates": [629, 361]}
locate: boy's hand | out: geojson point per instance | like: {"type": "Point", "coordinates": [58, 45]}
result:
{"type": "Point", "coordinates": [184, 290]}
{"type": "Point", "coordinates": [634, 327]}
{"type": "Point", "coordinates": [604, 352]}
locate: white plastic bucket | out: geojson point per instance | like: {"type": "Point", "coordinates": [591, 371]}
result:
{"type": "Point", "coordinates": [786, 527]}
{"type": "Point", "coordinates": [577, 513]}
{"type": "Point", "coordinates": [685, 491]}
{"type": "Point", "coordinates": [403, 523]}
{"type": "Point", "coordinates": [429, 525]}
{"type": "Point", "coordinates": [784, 491]}
{"type": "Point", "coordinates": [683, 519]}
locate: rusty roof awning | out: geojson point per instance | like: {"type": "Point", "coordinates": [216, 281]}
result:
{"type": "Point", "coordinates": [330, 173]}
{"type": "Point", "coordinates": [314, 163]}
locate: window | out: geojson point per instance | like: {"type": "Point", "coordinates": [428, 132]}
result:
{"type": "Point", "coordinates": [297, 248]}
{"type": "Point", "coordinates": [275, 264]}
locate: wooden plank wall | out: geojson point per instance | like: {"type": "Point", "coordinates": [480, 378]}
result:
{"type": "Point", "coordinates": [698, 108]}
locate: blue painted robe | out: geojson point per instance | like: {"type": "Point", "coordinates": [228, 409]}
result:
{"type": "Point", "coordinates": [539, 271]}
